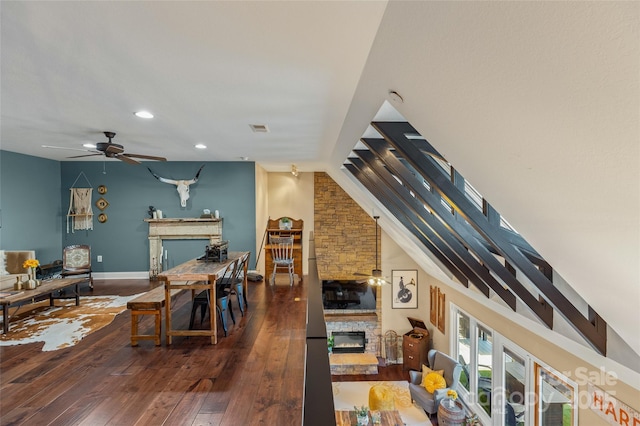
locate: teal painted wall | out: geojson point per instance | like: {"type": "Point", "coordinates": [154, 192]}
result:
{"type": "Point", "coordinates": [123, 240]}
{"type": "Point", "coordinates": [30, 205]}
{"type": "Point", "coordinates": [34, 200]}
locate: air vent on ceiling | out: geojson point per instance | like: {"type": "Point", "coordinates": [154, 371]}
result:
{"type": "Point", "coordinates": [259, 128]}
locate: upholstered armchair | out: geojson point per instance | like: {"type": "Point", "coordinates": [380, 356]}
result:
{"type": "Point", "coordinates": [437, 361]}
{"type": "Point", "coordinates": [76, 260]}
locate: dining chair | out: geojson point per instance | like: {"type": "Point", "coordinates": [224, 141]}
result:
{"type": "Point", "coordinates": [237, 285]}
{"type": "Point", "coordinates": [76, 260]}
{"type": "Point", "coordinates": [282, 255]}
{"type": "Point", "coordinates": [223, 305]}
{"type": "Point", "coordinates": [223, 298]}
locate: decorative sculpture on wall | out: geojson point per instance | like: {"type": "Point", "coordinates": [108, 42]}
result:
{"type": "Point", "coordinates": [182, 186]}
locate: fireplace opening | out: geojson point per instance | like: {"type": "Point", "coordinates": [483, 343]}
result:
{"type": "Point", "coordinates": [348, 342]}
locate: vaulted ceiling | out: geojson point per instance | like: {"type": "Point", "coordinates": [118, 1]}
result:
{"type": "Point", "coordinates": [535, 103]}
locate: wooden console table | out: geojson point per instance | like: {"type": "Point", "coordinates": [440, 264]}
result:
{"type": "Point", "coordinates": [198, 275]}
{"type": "Point", "coordinates": [179, 229]}
{"type": "Point", "coordinates": [15, 298]}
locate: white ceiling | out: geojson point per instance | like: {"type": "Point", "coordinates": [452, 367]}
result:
{"type": "Point", "coordinates": [207, 70]}
{"type": "Point", "coordinates": [536, 103]}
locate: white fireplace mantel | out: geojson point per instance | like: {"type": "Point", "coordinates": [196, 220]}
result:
{"type": "Point", "coordinates": [179, 229]}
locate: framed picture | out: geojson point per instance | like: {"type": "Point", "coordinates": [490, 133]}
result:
{"type": "Point", "coordinates": [404, 289]}
{"type": "Point", "coordinates": [441, 310]}
{"type": "Point", "coordinates": [433, 309]}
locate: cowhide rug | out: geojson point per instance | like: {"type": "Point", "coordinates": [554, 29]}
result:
{"type": "Point", "coordinates": [63, 326]}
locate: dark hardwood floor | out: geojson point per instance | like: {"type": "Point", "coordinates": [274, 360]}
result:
{"type": "Point", "coordinates": [252, 377]}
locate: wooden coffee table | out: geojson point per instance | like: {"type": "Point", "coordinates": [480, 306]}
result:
{"type": "Point", "coordinates": [12, 298]}
{"type": "Point", "coordinates": [388, 418]}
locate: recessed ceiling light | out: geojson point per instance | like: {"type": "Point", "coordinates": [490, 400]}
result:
{"type": "Point", "coordinates": [89, 145]}
{"type": "Point", "coordinates": [201, 146]}
{"type": "Point", "coordinates": [259, 128]}
{"type": "Point", "coordinates": [143, 114]}
{"type": "Point", "coordinates": [244, 158]}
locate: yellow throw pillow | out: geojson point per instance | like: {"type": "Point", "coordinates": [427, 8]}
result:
{"type": "Point", "coordinates": [426, 370]}
{"type": "Point", "coordinates": [434, 381]}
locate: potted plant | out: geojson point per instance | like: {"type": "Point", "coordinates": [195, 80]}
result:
{"type": "Point", "coordinates": [472, 420]}
{"type": "Point", "coordinates": [285, 223]}
{"type": "Point", "coordinates": [362, 415]}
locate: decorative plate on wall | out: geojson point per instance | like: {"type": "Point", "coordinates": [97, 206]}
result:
{"type": "Point", "coordinates": [102, 189]}
{"type": "Point", "coordinates": [101, 203]}
{"type": "Point", "coordinates": [102, 218]}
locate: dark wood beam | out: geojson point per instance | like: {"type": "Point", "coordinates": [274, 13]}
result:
{"type": "Point", "coordinates": [478, 275]}
{"type": "Point", "coordinates": [440, 229]}
{"type": "Point", "coordinates": [383, 152]}
{"type": "Point", "coordinates": [360, 172]}
{"type": "Point", "coordinates": [394, 134]}
{"type": "Point", "coordinates": [488, 211]}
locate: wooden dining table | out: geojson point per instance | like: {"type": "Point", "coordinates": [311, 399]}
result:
{"type": "Point", "coordinates": [198, 275]}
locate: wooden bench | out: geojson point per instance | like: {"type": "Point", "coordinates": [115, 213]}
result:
{"type": "Point", "coordinates": [149, 303]}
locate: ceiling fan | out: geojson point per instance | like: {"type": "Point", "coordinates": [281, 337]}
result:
{"type": "Point", "coordinates": [375, 278]}
{"type": "Point", "coordinates": [111, 150]}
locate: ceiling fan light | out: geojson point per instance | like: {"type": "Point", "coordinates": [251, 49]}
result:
{"type": "Point", "coordinates": [200, 146]}
{"type": "Point", "coordinates": [143, 114]}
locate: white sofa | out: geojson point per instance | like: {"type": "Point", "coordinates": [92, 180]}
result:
{"type": "Point", "coordinates": [11, 266]}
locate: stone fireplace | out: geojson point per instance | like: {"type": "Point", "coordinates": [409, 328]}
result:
{"type": "Point", "coordinates": [365, 323]}
{"type": "Point", "coordinates": [349, 325]}
{"type": "Point", "coordinates": [346, 240]}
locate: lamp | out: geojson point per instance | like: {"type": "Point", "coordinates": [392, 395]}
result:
{"type": "Point", "coordinates": [294, 170]}
{"type": "Point", "coordinates": [375, 278]}
{"type": "Point", "coordinates": [376, 274]}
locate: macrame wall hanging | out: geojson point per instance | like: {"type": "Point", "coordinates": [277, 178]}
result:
{"type": "Point", "coordinates": [80, 215]}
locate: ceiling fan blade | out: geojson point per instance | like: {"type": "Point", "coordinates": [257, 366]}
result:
{"type": "Point", "coordinates": [126, 159]}
{"type": "Point", "coordinates": [64, 147]}
{"type": "Point", "coordinates": [86, 155]}
{"type": "Point", "coordinates": [113, 149]}
{"type": "Point", "coordinates": [361, 274]}
{"type": "Point", "coordinates": [147, 157]}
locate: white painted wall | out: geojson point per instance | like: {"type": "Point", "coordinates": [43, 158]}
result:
{"type": "Point", "coordinates": [293, 197]}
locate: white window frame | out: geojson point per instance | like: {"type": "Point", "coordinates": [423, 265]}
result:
{"type": "Point", "coordinates": [532, 415]}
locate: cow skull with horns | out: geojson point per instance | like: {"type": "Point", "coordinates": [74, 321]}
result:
{"type": "Point", "coordinates": [181, 185]}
